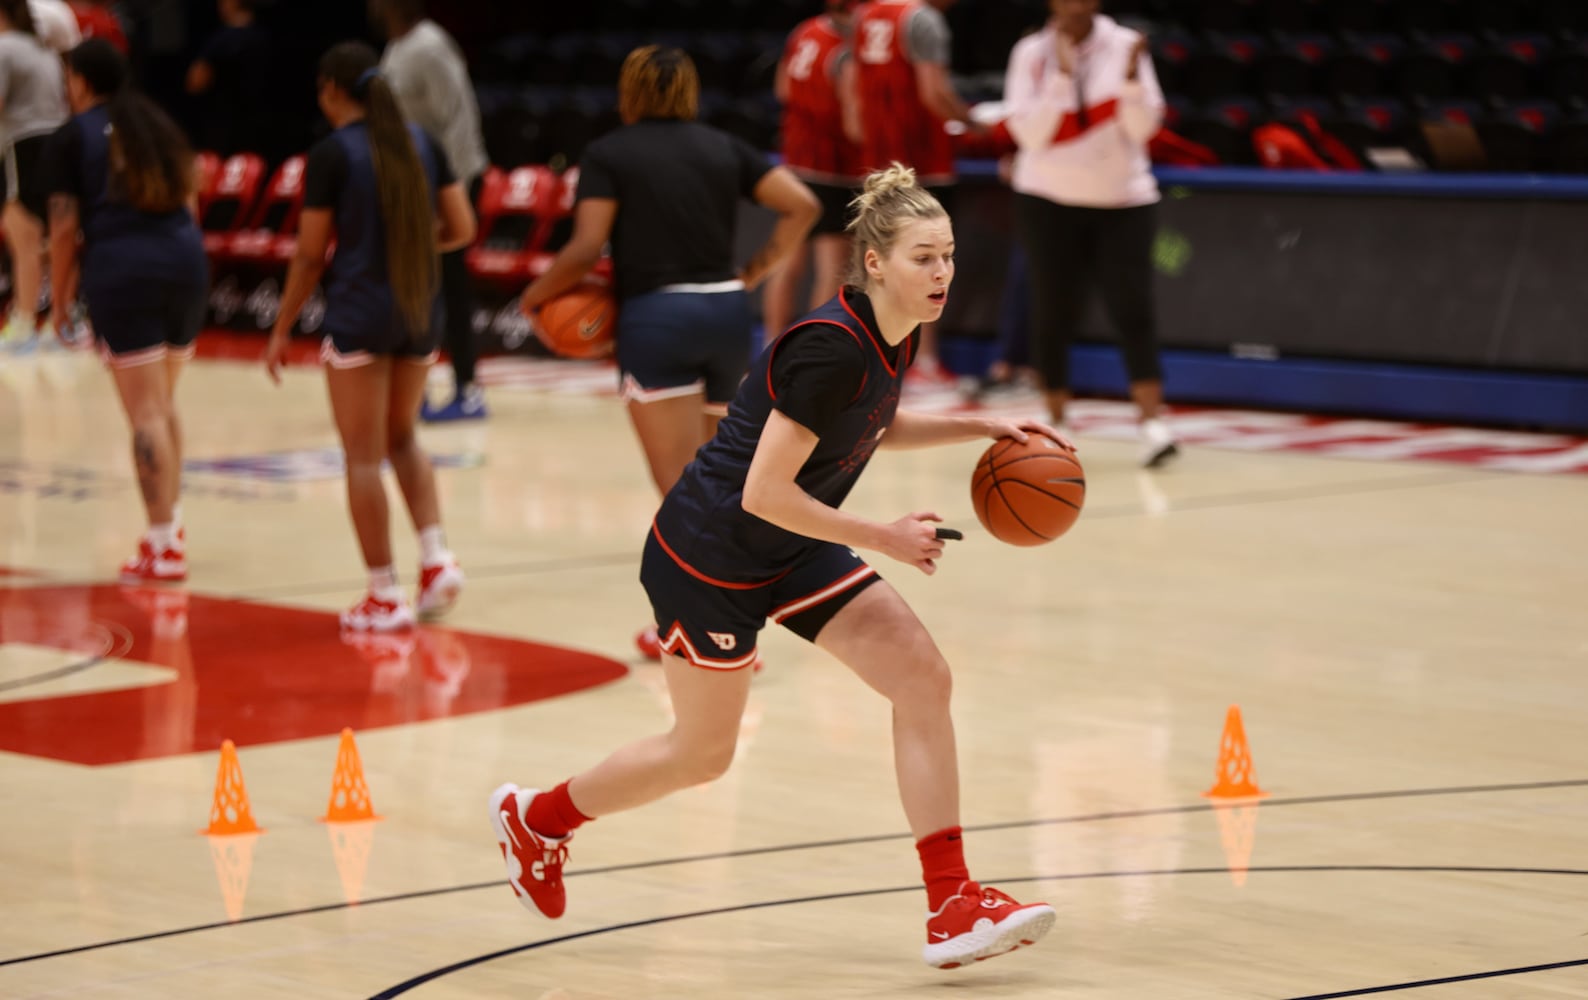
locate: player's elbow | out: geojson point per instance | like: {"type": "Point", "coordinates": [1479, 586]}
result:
{"type": "Point", "coordinates": [760, 497]}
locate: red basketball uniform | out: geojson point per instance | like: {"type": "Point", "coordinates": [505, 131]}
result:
{"type": "Point", "coordinates": [95, 21]}
{"type": "Point", "coordinates": [814, 145]}
{"type": "Point", "coordinates": [897, 125]}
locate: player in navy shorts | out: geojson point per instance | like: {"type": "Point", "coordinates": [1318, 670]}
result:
{"type": "Point", "coordinates": [143, 271]}
{"type": "Point", "coordinates": [380, 186]}
{"type": "Point", "coordinates": [664, 190]}
{"type": "Point", "coordinates": [753, 532]}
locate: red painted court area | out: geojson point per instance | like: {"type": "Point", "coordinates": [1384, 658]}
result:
{"type": "Point", "coordinates": [251, 673]}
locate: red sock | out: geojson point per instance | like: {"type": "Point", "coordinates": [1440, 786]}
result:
{"type": "Point", "coordinates": [553, 814]}
{"type": "Point", "coordinates": [942, 865]}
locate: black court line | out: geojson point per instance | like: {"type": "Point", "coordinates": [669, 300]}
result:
{"type": "Point", "coordinates": [421, 979]}
{"type": "Point", "coordinates": [1357, 487]}
{"type": "Point", "coordinates": [474, 572]}
{"type": "Point", "coordinates": [1468, 977]}
{"type": "Point", "coordinates": [791, 848]}
{"type": "Point", "coordinates": [117, 643]}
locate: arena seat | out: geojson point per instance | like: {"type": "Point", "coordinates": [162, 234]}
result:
{"type": "Point", "coordinates": [231, 200]}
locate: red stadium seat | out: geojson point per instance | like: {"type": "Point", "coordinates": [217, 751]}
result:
{"type": "Point", "coordinates": [516, 212]}
{"type": "Point", "coordinates": [272, 233]}
{"type": "Point", "coordinates": [231, 200]}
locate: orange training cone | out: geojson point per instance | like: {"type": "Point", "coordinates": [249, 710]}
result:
{"type": "Point", "coordinates": [349, 792]}
{"type": "Point", "coordinates": [1236, 778]}
{"type": "Point", "coordinates": [229, 813]}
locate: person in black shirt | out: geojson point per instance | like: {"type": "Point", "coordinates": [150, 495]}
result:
{"type": "Point", "coordinates": [121, 189]}
{"type": "Point", "coordinates": [231, 78]}
{"type": "Point", "coordinates": [752, 531]}
{"type": "Point", "coordinates": [380, 186]}
{"type": "Point", "coordinates": [664, 190]}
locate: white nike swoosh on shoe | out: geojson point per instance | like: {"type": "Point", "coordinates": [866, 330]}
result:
{"type": "Point", "coordinates": [940, 935]}
{"type": "Point", "coordinates": [510, 834]}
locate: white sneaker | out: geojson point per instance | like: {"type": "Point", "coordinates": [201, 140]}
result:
{"type": "Point", "coordinates": [439, 586]}
{"type": "Point", "coordinates": [375, 614]}
{"type": "Point", "coordinates": [1158, 446]}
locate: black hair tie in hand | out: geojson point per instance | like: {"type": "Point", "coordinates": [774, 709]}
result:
{"type": "Point", "coordinates": [950, 535]}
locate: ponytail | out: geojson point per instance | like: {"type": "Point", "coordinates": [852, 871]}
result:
{"type": "Point", "coordinates": [151, 163]}
{"type": "Point", "coordinates": [406, 204]}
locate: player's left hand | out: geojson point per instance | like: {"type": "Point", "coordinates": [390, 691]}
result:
{"type": "Point", "coordinates": [1021, 430]}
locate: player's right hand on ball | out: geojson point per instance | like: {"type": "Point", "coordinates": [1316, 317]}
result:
{"type": "Point", "coordinates": [913, 539]}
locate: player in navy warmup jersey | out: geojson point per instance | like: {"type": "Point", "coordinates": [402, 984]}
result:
{"type": "Point", "coordinates": [120, 183]}
{"type": "Point", "coordinates": [753, 532]}
{"type": "Point", "coordinates": [381, 187]}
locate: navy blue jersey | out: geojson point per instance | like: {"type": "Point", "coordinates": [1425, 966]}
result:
{"type": "Point", "coordinates": [702, 521]}
{"type": "Point", "coordinates": [340, 175]}
{"type": "Point", "coordinates": [77, 162]}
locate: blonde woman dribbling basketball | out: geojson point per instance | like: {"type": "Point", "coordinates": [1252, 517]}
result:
{"type": "Point", "coordinates": [752, 532]}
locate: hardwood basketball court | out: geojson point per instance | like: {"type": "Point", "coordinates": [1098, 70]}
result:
{"type": "Point", "coordinates": [1406, 640]}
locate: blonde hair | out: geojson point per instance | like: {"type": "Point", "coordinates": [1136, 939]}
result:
{"type": "Point", "coordinates": [890, 200]}
{"type": "Point", "coordinates": [658, 82]}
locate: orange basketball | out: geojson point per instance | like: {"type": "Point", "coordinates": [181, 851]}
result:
{"type": "Point", "coordinates": [1027, 494]}
{"type": "Point", "coordinates": [579, 323]}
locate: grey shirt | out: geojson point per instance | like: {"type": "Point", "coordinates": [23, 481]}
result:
{"type": "Point", "coordinates": [32, 89]}
{"type": "Point", "coordinates": [927, 38]}
{"type": "Point", "coordinates": [426, 70]}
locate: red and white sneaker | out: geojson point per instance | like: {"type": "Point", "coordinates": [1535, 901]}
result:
{"type": "Point", "coordinates": [978, 924]}
{"type": "Point", "coordinates": [534, 863]}
{"type": "Point", "coordinates": [374, 614]}
{"type": "Point", "coordinates": [149, 566]}
{"type": "Point", "coordinates": [439, 587]}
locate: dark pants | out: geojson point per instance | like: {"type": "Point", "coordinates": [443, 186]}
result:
{"type": "Point", "coordinates": [457, 293]}
{"type": "Point", "coordinates": [1072, 251]}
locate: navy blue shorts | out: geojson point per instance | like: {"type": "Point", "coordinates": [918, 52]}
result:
{"type": "Point", "coordinates": [142, 314]}
{"type": "Point", "coordinates": [674, 343]}
{"type": "Point", "coordinates": [714, 624]}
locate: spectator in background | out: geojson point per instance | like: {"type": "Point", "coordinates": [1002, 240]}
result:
{"type": "Point", "coordinates": [905, 98]}
{"type": "Point", "coordinates": [431, 80]}
{"type": "Point", "coordinates": [55, 25]}
{"type": "Point", "coordinates": [1083, 103]}
{"type": "Point", "coordinates": [232, 77]}
{"type": "Point", "coordinates": [817, 150]}
{"type": "Point", "coordinates": [32, 105]}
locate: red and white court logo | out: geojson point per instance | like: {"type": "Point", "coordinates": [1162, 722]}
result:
{"type": "Point", "coordinates": [724, 640]}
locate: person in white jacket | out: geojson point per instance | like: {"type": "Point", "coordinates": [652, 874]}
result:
{"type": "Point", "coordinates": [1082, 102]}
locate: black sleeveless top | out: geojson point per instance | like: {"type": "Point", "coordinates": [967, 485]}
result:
{"type": "Point", "coordinates": [702, 521]}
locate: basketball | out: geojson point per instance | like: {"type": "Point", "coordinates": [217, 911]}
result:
{"type": "Point", "coordinates": [579, 323]}
{"type": "Point", "coordinates": [1027, 494]}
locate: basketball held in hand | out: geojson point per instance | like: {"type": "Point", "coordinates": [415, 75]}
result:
{"type": "Point", "coordinates": [579, 323]}
{"type": "Point", "coordinates": [1028, 494]}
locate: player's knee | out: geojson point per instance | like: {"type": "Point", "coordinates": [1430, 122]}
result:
{"type": "Point", "coordinates": [930, 687]}
{"type": "Point", "coordinates": [706, 761]}
{"type": "Point", "coordinates": [400, 441]}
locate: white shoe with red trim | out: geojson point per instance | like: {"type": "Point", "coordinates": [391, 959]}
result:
{"type": "Point", "coordinates": [439, 586]}
{"type": "Point", "coordinates": [978, 924]}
